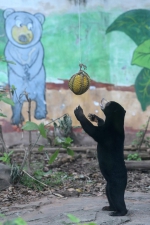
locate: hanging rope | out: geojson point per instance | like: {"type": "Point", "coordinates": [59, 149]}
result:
{"type": "Point", "coordinates": [79, 25]}
{"type": "Point", "coordinates": [79, 83]}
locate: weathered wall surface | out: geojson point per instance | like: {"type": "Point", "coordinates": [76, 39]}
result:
{"type": "Point", "coordinates": [64, 101]}
{"type": "Point", "coordinates": [112, 39]}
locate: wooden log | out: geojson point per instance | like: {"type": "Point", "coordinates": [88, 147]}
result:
{"type": "Point", "coordinates": [135, 165]}
{"type": "Point", "coordinates": [143, 154]}
{"type": "Point", "coordinates": [133, 148]}
{"type": "Point", "coordinates": [80, 148]}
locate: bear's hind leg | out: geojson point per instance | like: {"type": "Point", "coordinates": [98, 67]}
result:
{"type": "Point", "coordinates": [117, 197]}
{"type": "Point", "coordinates": [110, 207]}
{"type": "Point", "coordinates": [17, 117]}
{"type": "Point", "coordinates": [41, 109]}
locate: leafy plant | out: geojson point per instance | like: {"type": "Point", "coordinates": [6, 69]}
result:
{"type": "Point", "coordinates": [64, 143]}
{"type": "Point", "coordinates": [6, 157]}
{"type": "Point", "coordinates": [140, 136]}
{"type": "Point", "coordinates": [134, 156]}
{"type": "Point", "coordinates": [49, 178]}
{"type": "Point", "coordinates": [137, 140]}
{"type": "Point", "coordinates": [64, 124]}
{"type": "Point", "coordinates": [76, 220]}
{"type": "Point", "coordinates": [4, 98]}
{"type": "Point", "coordinates": [136, 23]}
{"type": "Point", "coordinates": [17, 221]}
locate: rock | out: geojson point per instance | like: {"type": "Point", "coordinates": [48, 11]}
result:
{"type": "Point", "coordinates": [5, 178]}
{"type": "Point", "coordinates": [90, 154]}
{"type": "Point", "coordinates": [45, 169]}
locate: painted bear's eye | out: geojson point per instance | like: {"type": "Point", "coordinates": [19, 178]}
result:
{"type": "Point", "coordinates": [29, 26]}
{"type": "Point", "coordinates": [18, 23]}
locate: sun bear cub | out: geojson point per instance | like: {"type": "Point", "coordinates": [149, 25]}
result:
{"type": "Point", "coordinates": [110, 138]}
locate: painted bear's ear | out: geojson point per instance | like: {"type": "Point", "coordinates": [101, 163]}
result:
{"type": "Point", "coordinates": [7, 12]}
{"type": "Point", "coordinates": [40, 17]}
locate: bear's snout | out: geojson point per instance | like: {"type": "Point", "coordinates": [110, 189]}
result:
{"type": "Point", "coordinates": [23, 38]}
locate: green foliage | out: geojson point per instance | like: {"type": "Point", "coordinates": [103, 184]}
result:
{"type": "Point", "coordinates": [73, 218]}
{"type": "Point", "coordinates": [6, 157]}
{"type": "Point", "coordinates": [2, 115]}
{"type": "Point", "coordinates": [18, 221]}
{"type": "Point", "coordinates": [7, 100]}
{"type": "Point", "coordinates": [52, 179]}
{"type": "Point", "coordinates": [30, 126]}
{"type": "Point", "coordinates": [65, 143]}
{"type": "Point", "coordinates": [70, 152]}
{"type": "Point", "coordinates": [146, 142]}
{"type": "Point", "coordinates": [63, 125]}
{"type": "Point", "coordinates": [4, 98]}
{"type": "Point", "coordinates": [40, 148]}
{"type": "Point", "coordinates": [134, 156]}
{"type": "Point", "coordinates": [2, 216]}
{"type": "Point", "coordinates": [140, 136]}
{"type": "Point", "coordinates": [142, 87]}
{"type": "Point", "coordinates": [76, 220]}
{"type": "Point", "coordinates": [53, 157]}
{"type": "Point", "coordinates": [13, 89]}
{"type": "Point", "coordinates": [141, 55]}
{"type": "Point", "coordinates": [42, 130]}
{"type": "Point", "coordinates": [135, 23]}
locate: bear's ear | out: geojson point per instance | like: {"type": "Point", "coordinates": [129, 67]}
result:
{"type": "Point", "coordinates": [7, 12]}
{"type": "Point", "coordinates": [40, 17]}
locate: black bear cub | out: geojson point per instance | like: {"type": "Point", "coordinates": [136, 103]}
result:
{"type": "Point", "coordinates": [110, 138]}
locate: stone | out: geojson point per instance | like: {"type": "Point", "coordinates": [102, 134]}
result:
{"type": "Point", "coordinates": [5, 178]}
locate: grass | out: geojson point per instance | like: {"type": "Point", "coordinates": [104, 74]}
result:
{"type": "Point", "coordinates": [52, 179]}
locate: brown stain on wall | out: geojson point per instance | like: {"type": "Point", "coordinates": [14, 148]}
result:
{"type": "Point", "coordinates": [109, 87]}
{"type": "Point", "coordinates": [60, 100]}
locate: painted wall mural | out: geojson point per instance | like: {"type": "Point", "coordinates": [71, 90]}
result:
{"type": "Point", "coordinates": [136, 24]}
{"type": "Point", "coordinates": [42, 38]}
{"type": "Point", "coordinates": [25, 50]}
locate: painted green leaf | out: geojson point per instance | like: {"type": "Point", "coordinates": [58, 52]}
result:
{"type": "Point", "coordinates": [53, 157]}
{"type": "Point", "coordinates": [134, 23]}
{"type": "Point", "coordinates": [40, 148]}
{"type": "Point", "coordinates": [141, 55]}
{"type": "Point", "coordinates": [42, 130]}
{"type": "Point", "coordinates": [3, 115]}
{"type": "Point", "coordinates": [7, 100]}
{"type": "Point", "coordinates": [30, 126]}
{"type": "Point", "coordinates": [142, 88]}
{"type": "Point", "coordinates": [73, 218]}
{"type": "Point", "coordinates": [70, 152]}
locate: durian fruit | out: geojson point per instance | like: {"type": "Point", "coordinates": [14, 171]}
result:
{"type": "Point", "coordinates": [79, 83]}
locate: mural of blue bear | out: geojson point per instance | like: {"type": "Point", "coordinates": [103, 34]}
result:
{"type": "Point", "coordinates": [24, 48]}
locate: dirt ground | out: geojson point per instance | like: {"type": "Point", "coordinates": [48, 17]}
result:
{"type": "Point", "coordinates": [69, 177]}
